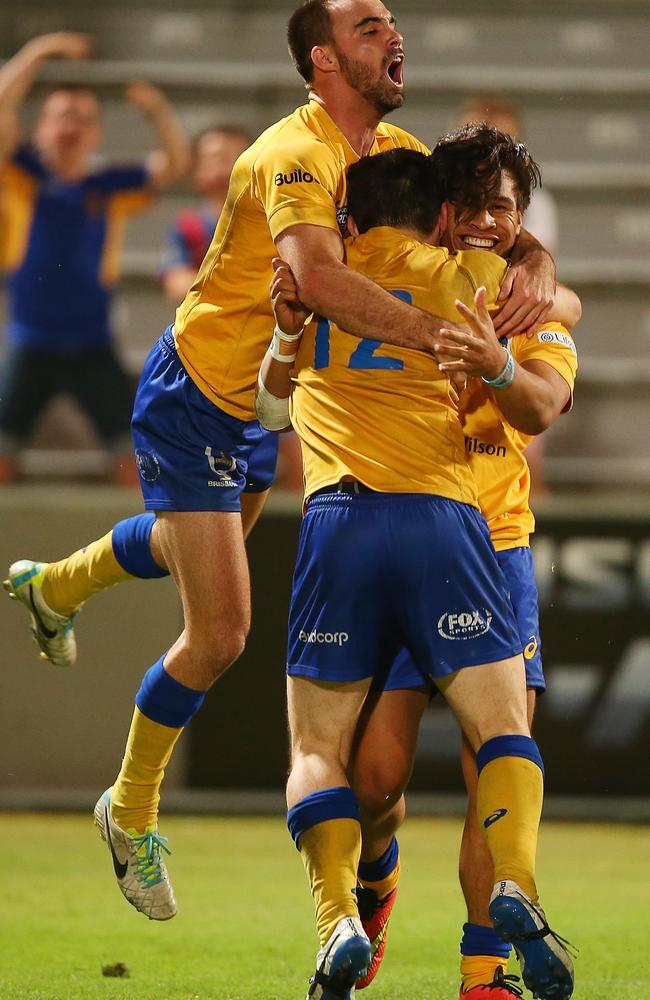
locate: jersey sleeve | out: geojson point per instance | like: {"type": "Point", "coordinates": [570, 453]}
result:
{"type": "Point", "coordinates": [553, 344]}
{"type": "Point", "coordinates": [27, 160]}
{"type": "Point", "coordinates": [298, 183]}
{"type": "Point", "coordinates": [129, 188]}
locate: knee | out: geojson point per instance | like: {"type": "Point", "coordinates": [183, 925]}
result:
{"type": "Point", "coordinates": [379, 787]}
{"type": "Point", "coordinates": [212, 653]}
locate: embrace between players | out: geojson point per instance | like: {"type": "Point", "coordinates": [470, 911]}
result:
{"type": "Point", "coordinates": [395, 554]}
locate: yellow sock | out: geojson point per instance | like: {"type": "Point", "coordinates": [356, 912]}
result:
{"type": "Point", "coordinates": [330, 853]}
{"type": "Point", "coordinates": [70, 582]}
{"type": "Point", "coordinates": [479, 970]}
{"type": "Point", "coordinates": [385, 885]}
{"type": "Point", "coordinates": [509, 806]}
{"type": "Point", "coordinates": [136, 792]}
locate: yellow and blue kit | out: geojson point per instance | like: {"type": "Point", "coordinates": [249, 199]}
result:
{"type": "Point", "coordinates": [60, 246]}
{"type": "Point", "coordinates": [496, 456]}
{"type": "Point", "coordinates": [294, 173]}
{"type": "Point", "coordinates": [403, 559]}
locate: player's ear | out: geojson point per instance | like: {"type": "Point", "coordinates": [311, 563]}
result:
{"type": "Point", "coordinates": [353, 229]}
{"type": "Point", "coordinates": [323, 59]}
{"type": "Point", "coordinates": [443, 218]}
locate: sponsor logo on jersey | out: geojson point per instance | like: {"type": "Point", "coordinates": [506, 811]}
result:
{"type": "Point", "coordinates": [557, 337]}
{"type": "Point", "coordinates": [464, 624]}
{"type": "Point", "coordinates": [222, 466]}
{"type": "Point", "coordinates": [531, 647]}
{"type": "Point", "coordinates": [478, 447]}
{"type": "Point", "coordinates": [148, 465]}
{"type": "Point", "coordinates": [329, 638]}
{"type": "Point", "coordinates": [297, 176]}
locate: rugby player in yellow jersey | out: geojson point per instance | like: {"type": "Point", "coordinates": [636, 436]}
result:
{"type": "Point", "coordinates": [394, 556]}
{"type": "Point", "coordinates": [205, 463]}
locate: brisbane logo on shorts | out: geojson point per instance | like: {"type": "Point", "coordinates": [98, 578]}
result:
{"type": "Point", "coordinates": [464, 624]}
{"type": "Point", "coordinates": [222, 466]}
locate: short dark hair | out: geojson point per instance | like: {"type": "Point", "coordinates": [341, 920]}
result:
{"type": "Point", "coordinates": [469, 163]}
{"type": "Point", "coordinates": [309, 25]}
{"type": "Point", "coordinates": [395, 188]}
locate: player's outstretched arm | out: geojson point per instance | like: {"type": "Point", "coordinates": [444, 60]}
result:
{"type": "Point", "coordinates": [530, 396]}
{"type": "Point", "coordinates": [274, 380]}
{"type": "Point", "coordinates": [18, 74]}
{"type": "Point", "coordinates": [171, 160]}
{"type": "Point", "coordinates": [329, 288]}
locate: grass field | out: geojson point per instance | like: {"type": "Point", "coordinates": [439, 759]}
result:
{"type": "Point", "coordinates": [245, 926]}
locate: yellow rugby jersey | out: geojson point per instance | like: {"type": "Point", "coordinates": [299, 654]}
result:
{"type": "Point", "coordinates": [294, 173]}
{"type": "Point", "coordinates": [385, 415]}
{"type": "Point", "coordinates": [496, 450]}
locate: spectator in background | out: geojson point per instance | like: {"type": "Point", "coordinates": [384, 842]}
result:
{"type": "Point", "coordinates": [62, 229]}
{"type": "Point", "coordinates": [541, 219]}
{"type": "Point", "coordinates": [214, 154]}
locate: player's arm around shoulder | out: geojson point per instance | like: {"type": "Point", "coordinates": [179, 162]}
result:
{"type": "Point", "coordinates": [274, 384]}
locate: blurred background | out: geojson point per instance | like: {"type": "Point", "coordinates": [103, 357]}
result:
{"type": "Point", "coordinates": [572, 79]}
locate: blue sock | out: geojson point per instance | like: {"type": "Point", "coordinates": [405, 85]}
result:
{"type": "Point", "coordinates": [331, 803]}
{"type": "Point", "coordinates": [376, 871]}
{"type": "Point", "coordinates": [131, 547]}
{"type": "Point", "coordinates": [165, 700]}
{"type": "Point", "coordinates": [478, 940]}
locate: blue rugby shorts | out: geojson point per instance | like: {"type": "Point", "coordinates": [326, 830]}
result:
{"type": "Point", "coordinates": [519, 574]}
{"type": "Point", "coordinates": [192, 456]}
{"type": "Point", "coordinates": [379, 572]}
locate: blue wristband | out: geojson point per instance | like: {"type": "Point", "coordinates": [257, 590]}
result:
{"type": "Point", "coordinates": [506, 375]}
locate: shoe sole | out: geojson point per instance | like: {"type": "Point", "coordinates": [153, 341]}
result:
{"type": "Point", "coordinates": [544, 970]}
{"type": "Point", "coordinates": [349, 963]}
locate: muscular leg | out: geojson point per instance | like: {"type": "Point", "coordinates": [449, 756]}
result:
{"type": "Point", "coordinates": [382, 763]}
{"type": "Point", "coordinates": [323, 810]}
{"type": "Point", "coordinates": [203, 550]}
{"type": "Point", "coordinates": [490, 704]}
{"type": "Point", "coordinates": [481, 949]}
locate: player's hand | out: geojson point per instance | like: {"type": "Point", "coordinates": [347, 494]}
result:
{"type": "Point", "coordinates": [145, 96]}
{"type": "Point", "coordinates": [528, 291]}
{"type": "Point", "coordinates": [63, 45]}
{"type": "Point", "coordinates": [290, 314]}
{"type": "Point", "coordinates": [475, 353]}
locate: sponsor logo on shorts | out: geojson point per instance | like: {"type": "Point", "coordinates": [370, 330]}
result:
{"type": "Point", "coordinates": [222, 465]}
{"type": "Point", "coordinates": [493, 817]}
{"type": "Point", "coordinates": [478, 447]}
{"type": "Point", "coordinates": [297, 176]}
{"type": "Point", "coordinates": [464, 624]}
{"type": "Point", "coordinates": [557, 337]}
{"type": "Point", "coordinates": [531, 647]}
{"type": "Point", "coordinates": [148, 465]}
{"type": "Point", "coordinates": [329, 638]}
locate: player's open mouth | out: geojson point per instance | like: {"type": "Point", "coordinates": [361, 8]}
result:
{"type": "Point", "coordinates": [480, 243]}
{"type": "Point", "coordinates": [395, 71]}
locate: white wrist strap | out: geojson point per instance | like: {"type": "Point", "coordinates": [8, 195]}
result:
{"type": "Point", "coordinates": [284, 338]}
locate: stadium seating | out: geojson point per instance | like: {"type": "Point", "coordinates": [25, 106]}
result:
{"type": "Point", "coordinates": [580, 78]}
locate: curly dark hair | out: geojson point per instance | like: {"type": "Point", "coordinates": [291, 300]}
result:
{"type": "Point", "coordinates": [469, 163]}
